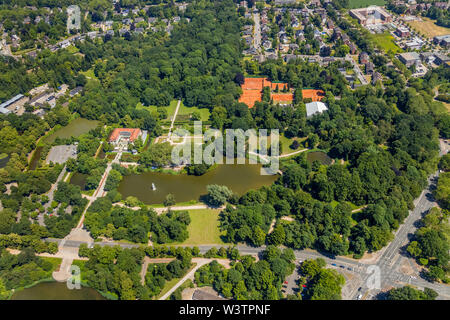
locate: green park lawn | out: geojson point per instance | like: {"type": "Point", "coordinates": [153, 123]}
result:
{"type": "Point", "coordinates": [365, 3]}
{"type": "Point", "coordinates": [286, 142]}
{"type": "Point", "coordinates": [54, 261]}
{"type": "Point", "coordinates": [385, 41]}
{"type": "Point", "coordinates": [204, 227]}
{"type": "Point", "coordinates": [183, 112]}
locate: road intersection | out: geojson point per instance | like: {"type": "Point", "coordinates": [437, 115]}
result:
{"type": "Point", "coordinates": [386, 265]}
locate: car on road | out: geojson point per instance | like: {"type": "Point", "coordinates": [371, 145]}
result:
{"type": "Point", "coordinates": [359, 289]}
{"type": "Point", "coordinates": [285, 282]}
{"type": "Point", "coordinates": [334, 264]}
{"type": "Point", "coordinates": [359, 296]}
{"type": "Point", "coordinates": [348, 268]}
{"type": "Point", "coordinates": [342, 267]}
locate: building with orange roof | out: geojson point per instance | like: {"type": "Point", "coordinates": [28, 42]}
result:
{"type": "Point", "coordinates": [127, 134]}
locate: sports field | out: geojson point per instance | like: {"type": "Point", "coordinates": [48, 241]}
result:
{"type": "Point", "coordinates": [428, 28]}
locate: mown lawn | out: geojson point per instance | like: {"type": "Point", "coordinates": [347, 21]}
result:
{"type": "Point", "coordinates": [286, 142]}
{"type": "Point", "coordinates": [204, 112]}
{"type": "Point", "coordinates": [365, 3]}
{"type": "Point", "coordinates": [170, 108]}
{"type": "Point", "coordinates": [204, 227]}
{"type": "Point", "coordinates": [385, 41]}
{"type": "Point", "coordinates": [54, 261]}
{"type": "Point", "coordinates": [183, 112]}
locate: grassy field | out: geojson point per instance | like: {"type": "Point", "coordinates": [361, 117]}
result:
{"type": "Point", "coordinates": [204, 227]}
{"type": "Point", "coordinates": [183, 112]}
{"type": "Point", "coordinates": [170, 108]}
{"type": "Point", "coordinates": [286, 142]}
{"type": "Point", "coordinates": [54, 261]}
{"type": "Point", "coordinates": [428, 28]}
{"type": "Point", "coordinates": [385, 41]}
{"type": "Point", "coordinates": [365, 3]}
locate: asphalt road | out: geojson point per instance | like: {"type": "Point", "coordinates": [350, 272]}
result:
{"type": "Point", "coordinates": [257, 33]}
{"type": "Point", "coordinates": [388, 262]}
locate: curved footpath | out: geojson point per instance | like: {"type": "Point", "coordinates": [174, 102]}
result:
{"type": "Point", "coordinates": [389, 260]}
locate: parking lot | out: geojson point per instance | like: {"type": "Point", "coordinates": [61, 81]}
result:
{"type": "Point", "coordinates": [60, 154]}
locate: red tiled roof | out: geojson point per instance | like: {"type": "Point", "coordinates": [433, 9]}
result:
{"type": "Point", "coordinates": [134, 133]}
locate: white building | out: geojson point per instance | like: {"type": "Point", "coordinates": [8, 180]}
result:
{"type": "Point", "coordinates": [315, 107]}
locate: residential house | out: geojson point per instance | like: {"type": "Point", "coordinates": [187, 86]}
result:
{"type": "Point", "coordinates": [369, 66]}
{"type": "Point", "coordinates": [363, 58]}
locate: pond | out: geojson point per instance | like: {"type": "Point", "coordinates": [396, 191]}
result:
{"type": "Point", "coordinates": [79, 179]}
{"type": "Point", "coordinates": [74, 129]}
{"type": "Point", "coordinates": [36, 157]}
{"type": "Point", "coordinates": [56, 291]}
{"type": "Point", "coordinates": [320, 156]}
{"type": "Point", "coordinates": [238, 177]}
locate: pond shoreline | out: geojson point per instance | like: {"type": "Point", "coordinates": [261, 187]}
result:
{"type": "Point", "coordinates": [239, 178]}
{"type": "Point", "coordinates": [58, 287]}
